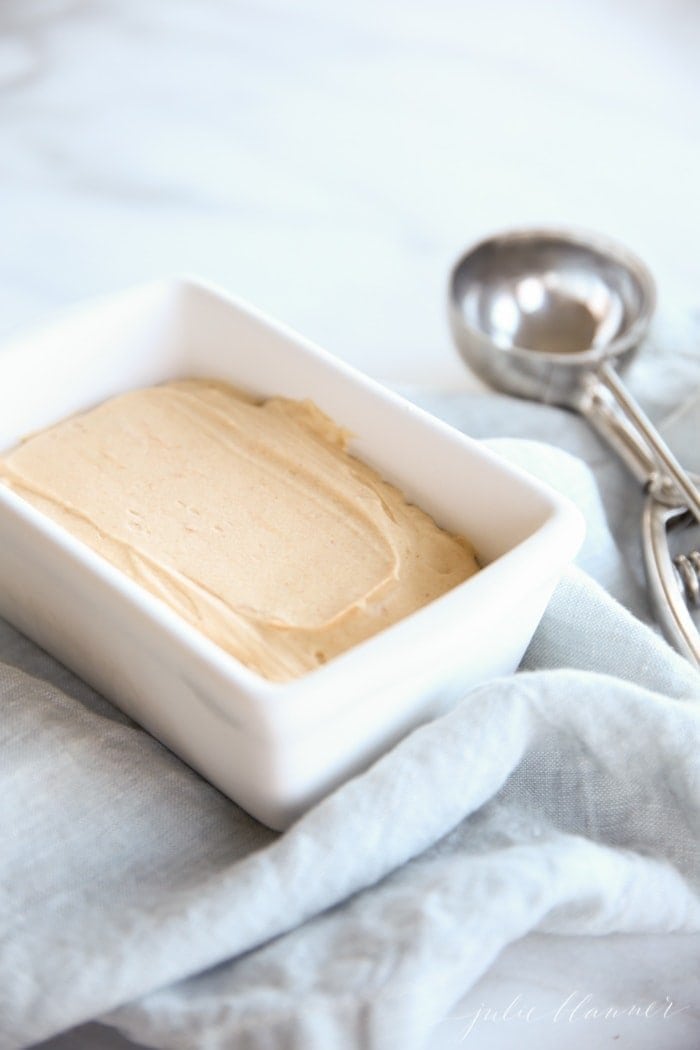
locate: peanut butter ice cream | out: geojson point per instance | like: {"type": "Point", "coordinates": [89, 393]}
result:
{"type": "Point", "coordinates": [251, 520]}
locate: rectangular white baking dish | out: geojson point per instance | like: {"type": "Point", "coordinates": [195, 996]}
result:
{"type": "Point", "coordinates": [274, 749]}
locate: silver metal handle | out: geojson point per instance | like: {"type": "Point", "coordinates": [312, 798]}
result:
{"type": "Point", "coordinates": [666, 595]}
{"type": "Point", "coordinates": [672, 494]}
{"type": "Point", "coordinates": [617, 417]}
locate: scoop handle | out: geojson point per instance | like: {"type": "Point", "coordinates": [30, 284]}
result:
{"type": "Point", "coordinates": [666, 595]}
{"type": "Point", "coordinates": [615, 415]}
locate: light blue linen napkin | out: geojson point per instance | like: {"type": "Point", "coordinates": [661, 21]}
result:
{"type": "Point", "coordinates": [565, 798]}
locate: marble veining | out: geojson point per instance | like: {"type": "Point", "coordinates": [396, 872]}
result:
{"type": "Point", "coordinates": [328, 162]}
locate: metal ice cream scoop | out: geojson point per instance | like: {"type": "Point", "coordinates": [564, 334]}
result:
{"type": "Point", "coordinates": [546, 314]}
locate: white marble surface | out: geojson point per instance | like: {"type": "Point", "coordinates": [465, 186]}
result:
{"type": "Point", "coordinates": [583, 993]}
{"type": "Point", "coordinates": [328, 162]}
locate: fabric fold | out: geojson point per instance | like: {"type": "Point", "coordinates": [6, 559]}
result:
{"type": "Point", "coordinates": [563, 799]}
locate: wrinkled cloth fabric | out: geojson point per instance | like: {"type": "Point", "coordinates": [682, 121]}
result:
{"type": "Point", "coordinates": [563, 799]}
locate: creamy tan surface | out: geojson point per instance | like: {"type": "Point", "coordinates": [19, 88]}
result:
{"type": "Point", "coordinates": [250, 520]}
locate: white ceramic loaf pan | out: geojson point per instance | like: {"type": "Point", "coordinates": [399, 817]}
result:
{"type": "Point", "coordinates": [273, 748]}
